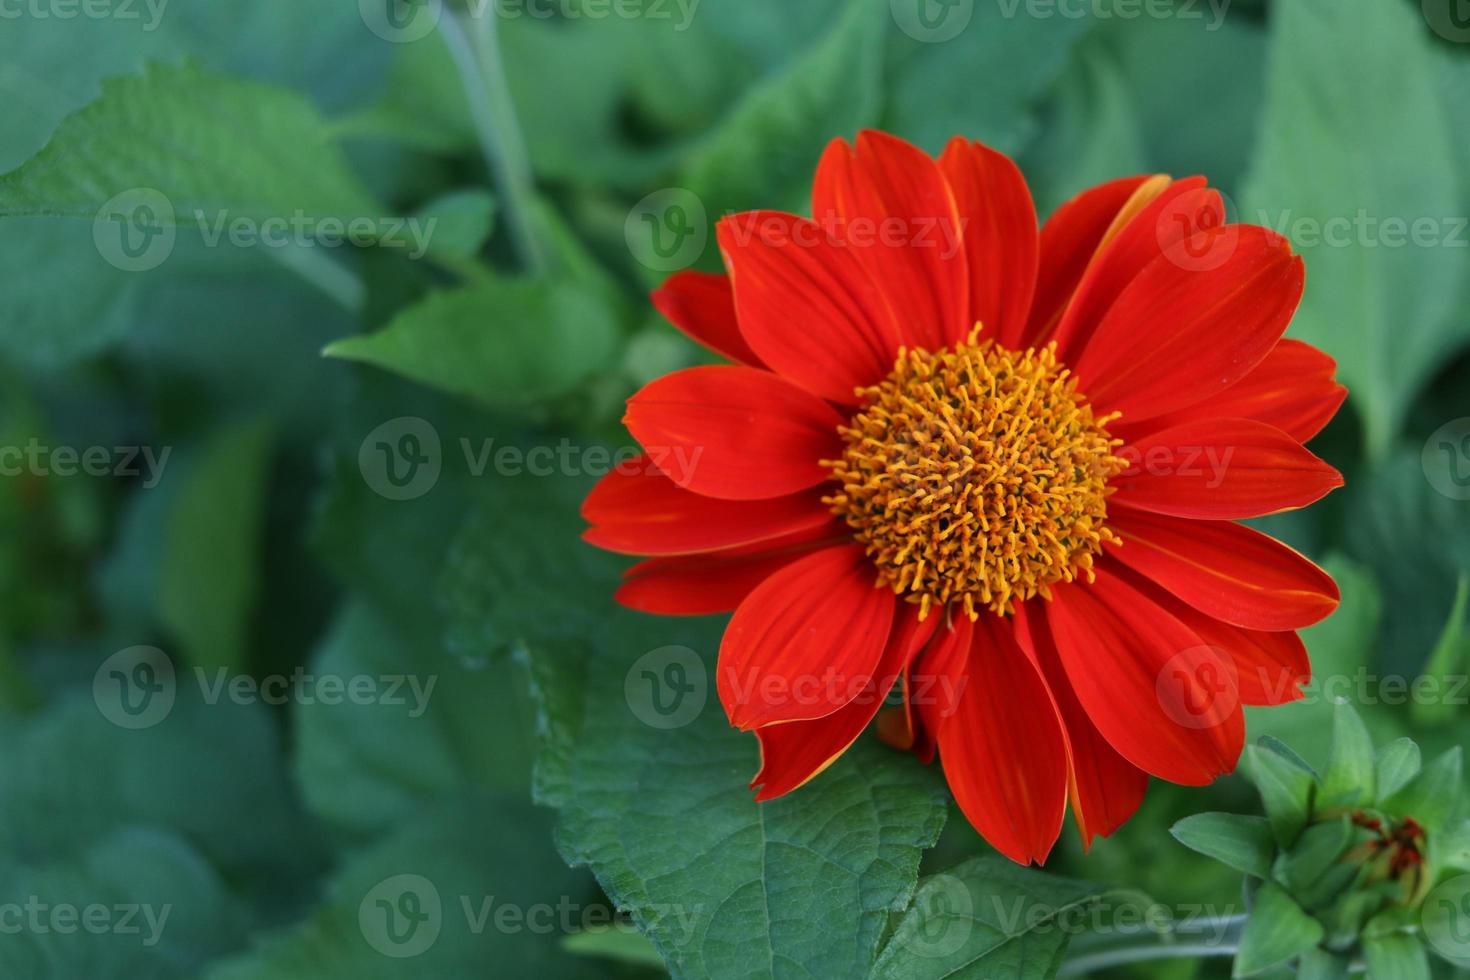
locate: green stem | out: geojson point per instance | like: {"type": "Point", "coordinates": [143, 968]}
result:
{"type": "Point", "coordinates": [1183, 941]}
{"type": "Point", "coordinates": [1086, 965]}
{"type": "Point", "coordinates": [474, 44]}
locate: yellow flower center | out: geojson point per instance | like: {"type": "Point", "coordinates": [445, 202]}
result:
{"type": "Point", "coordinates": [976, 475]}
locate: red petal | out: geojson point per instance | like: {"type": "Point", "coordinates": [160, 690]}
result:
{"type": "Point", "coordinates": [1163, 699]}
{"type": "Point", "coordinates": [808, 306]}
{"type": "Point", "coordinates": [890, 205]}
{"type": "Point", "coordinates": [1270, 668]}
{"type": "Point", "coordinates": [1105, 788]}
{"type": "Point", "coordinates": [1221, 469]}
{"type": "Point", "coordinates": [1069, 240]}
{"type": "Point", "coordinates": [1179, 334]}
{"type": "Point", "coordinates": [734, 432]}
{"type": "Point", "coordinates": [934, 682]}
{"type": "Point", "coordinates": [1001, 239]}
{"type": "Point", "coordinates": [702, 304]}
{"type": "Point", "coordinates": [1003, 751]}
{"type": "Point", "coordinates": [791, 754]}
{"type": "Point", "coordinates": [806, 641]}
{"type": "Point", "coordinates": [1226, 570]}
{"type": "Point", "coordinates": [1181, 209]}
{"type": "Point", "coordinates": [1292, 389]}
{"type": "Point", "coordinates": [699, 585]}
{"type": "Point", "coordinates": [637, 510]}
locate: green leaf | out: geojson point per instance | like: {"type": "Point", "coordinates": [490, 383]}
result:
{"type": "Point", "coordinates": [1245, 843]}
{"type": "Point", "coordinates": [209, 574]}
{"type": "Point", "coordinates": [984, 918]}
{"type": "Point", "coordinates": [1448, 660]}
{"type": "Point", "coordinates": [764, 153]}
{"type": "Point", "coordinates": [459, 223]}
{"type": "Point", "coordinates": [1277, 931]}
{"type": "Point", "coordinates": [1286, 792]}
{"type": "Point", "coordinates": [1398, 762]}
{"type": "Point", "coordinates": [1432, 796]}
{"type": "Point", "coordinates": [1349, 779]}
{"type": "Point", "coordinates": [1396, 957]}
{"type": "Point", "coordinates": [1374, 143]}
{"type": "Point", "coordinates": [503, 342]}
{"type": "Point", "coordinates": [468, 886]}
{"type": "Point", "coordinates": [210, 145]}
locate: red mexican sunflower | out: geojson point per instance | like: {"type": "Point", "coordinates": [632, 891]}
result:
{"type": "Point", "coordinates": [994, 465]}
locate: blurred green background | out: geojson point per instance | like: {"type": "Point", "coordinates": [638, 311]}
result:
{"type": "Point", "coordinates": [282, 634]}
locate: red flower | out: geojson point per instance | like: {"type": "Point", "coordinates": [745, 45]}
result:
{"type": "Point", "coordinates": [997, 466]}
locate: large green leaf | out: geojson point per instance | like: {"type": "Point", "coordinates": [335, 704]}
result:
{"type": "Point", "coordinates": [1354, 151]}
{"type": "Point", "coordinates": [986, 918]}
{"type": "Point", "coordinates": [210, 145]}
{"type": "Point", "coordinates": [657, 804]}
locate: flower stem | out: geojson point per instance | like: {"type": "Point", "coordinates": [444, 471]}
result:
{"type": "Point", "coordinates": [474, 43]}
